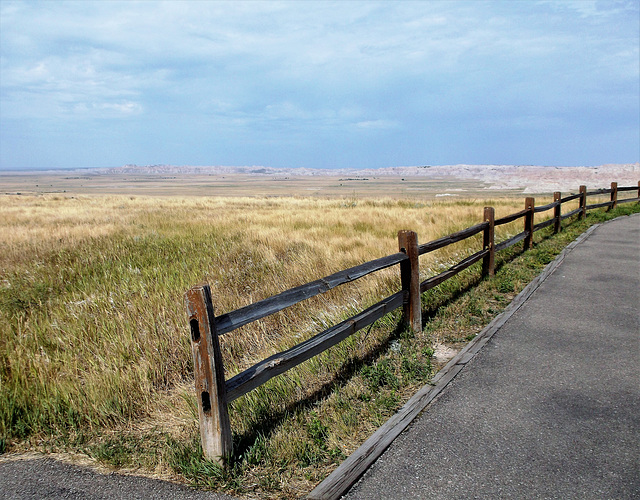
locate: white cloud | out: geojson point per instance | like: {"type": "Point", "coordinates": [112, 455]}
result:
{"type": "Point", "coordinates": [321, 69]}
{"type": "Point", "coordinates": [377, 124]}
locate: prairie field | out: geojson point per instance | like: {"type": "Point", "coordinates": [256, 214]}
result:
{"type": "Point", "coordinates": [95, 360]}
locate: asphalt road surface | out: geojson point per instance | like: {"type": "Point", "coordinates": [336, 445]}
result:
{"type": "Point", "coordinates": [550, 407]}
{"type": "Point", "coordinates": [46, 478]}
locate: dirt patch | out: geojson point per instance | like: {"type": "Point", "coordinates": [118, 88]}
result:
{"type": "Point", "coordinates": [443, 353]}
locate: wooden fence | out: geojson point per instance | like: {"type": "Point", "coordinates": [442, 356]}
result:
{"type": "Point", "coordinates": [214, 392]}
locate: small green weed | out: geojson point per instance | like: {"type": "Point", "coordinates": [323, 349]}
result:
{"type": "Point", "coordinates": [318, 432]}
{"type": "Point", "coordinates": [380, 375]}
{"type": "Point", "coordinates": [414, 369]}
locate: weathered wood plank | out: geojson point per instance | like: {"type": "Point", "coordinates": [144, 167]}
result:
{"type": "Point", "coordinates": [571, 214]}
{"type": "Point", "coordinates": [529, 204]}
{"type": "Point", "coordinates": [614, 195]}
{"type": "Point", "coordinates": [511, 241]}
{"type": "Point", "coordinates": [245, 315]}
{"type": "Point", "coordinates": [544, 208]}
{"type": "Point", "coordinates": [628, 200]}
{"type": "Point", "coordinates": [452, 238]}
{"type": "Point", "coordinates": [557, 212]}
{"type": "Point", "coordinates": [598, 191]}
{"type": "Point", "coordinates": [410, 279]}
{"type": "Point", "coordinates": [570, 198]}
{"type": "Point", "coordinates": [543, 224]}
{"type": "Point", "coordinates": [488, 243]}
{"type": "Point", "coordinates": [452, 271]}
{"type": "Point", "coordinates": [281, 362]}
{"type": "Point", "coordinates": [510, 218]}
{"type": "Point", "coordinates": [215, 429]}
{"type": "Point", "coordinates": [583, 202]}
{"type": "Point", "coordinates": [598, 205]}
{"type": "Point", "coordinates": [628, 188]}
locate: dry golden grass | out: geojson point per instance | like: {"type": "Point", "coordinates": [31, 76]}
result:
{"type": "Point", "coordinates": [94, 336]}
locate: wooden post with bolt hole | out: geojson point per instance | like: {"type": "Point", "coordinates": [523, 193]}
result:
{"type": "Point", "coordinates": [614, 196]}
{"type": "Point", "coordinates": [215, 429]}
{"type": "Point", "coordinates": [529, 205]}
{"type": "Point", "coordinates": [557, 212]}
{"type": "Point", "coordinates": [410, 278]}
{"type": "Point", "coordinates": [583, 202]}
{"type": "Point", "coordinates": [488, 262]}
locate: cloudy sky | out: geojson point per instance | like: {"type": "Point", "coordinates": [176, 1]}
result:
{"type": "Point", "coordinates": [357, 84]}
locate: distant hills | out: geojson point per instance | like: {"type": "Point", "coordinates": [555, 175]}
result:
{"type": "Point", "coordinates": [529, 177]}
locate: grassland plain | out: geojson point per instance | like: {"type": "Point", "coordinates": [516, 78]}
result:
{"type": "Point", "coordinates": [285, 184]}
{"type": "Point", "coordinates": [94, 347]}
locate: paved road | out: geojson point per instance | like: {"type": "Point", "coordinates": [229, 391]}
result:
{"type": "Point", "coordinates": [46, 478]}
{"type": "Point", "coordinates": [550, 407]}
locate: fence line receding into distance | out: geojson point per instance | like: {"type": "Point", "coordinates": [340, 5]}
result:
{"type": "Point", "coordinates": [214, 392]}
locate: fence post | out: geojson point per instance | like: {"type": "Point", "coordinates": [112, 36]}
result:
{"type": "Point", "coordinates": [583, 202]}
{"type": "Point", "coordinates": [410, 277]}
{"type": "Point", "coordinates": [529, 204]}
{"type": "Point", "coordinates": [557, 212]}
{"type": "Point", "coordinates": [215, 429]}
{"type": "Point", "coordinates": [614, 196]}
{"type": "Point", "coordinates": [488, 263]}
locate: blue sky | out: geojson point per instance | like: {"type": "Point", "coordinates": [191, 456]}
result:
{"type": "Point", "coordinates": [318, 84]}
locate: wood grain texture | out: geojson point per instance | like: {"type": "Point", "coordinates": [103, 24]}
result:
{"type": "Point", "coordinates": [511, 241]}
{"type": "Point", "coordinates": [544, 208]}
{"type": "Point", "coordinates": [451, 238]}
{"type": "Point", "coordinates": [428, 284]}
{"type": "Point", "coordinates": [598, 191]}
{"type": "Point", "coordinates": [215, 429]}
{"type": "Point", "coordinates": [598, 205]}
{"type": "Point", "coordinates": [614, 195]}
{"type": "Point", "coordinates": [240, 317]}
{"type": "Point", "coordinates": [510, 218]}
{"type": "Point", "coordinates": [488, 262]}
{"type": "Point", "coordinates": [529, 204]}
{"type": "Point", "coordinates": [570, 198]}
{"type": "Point", "coordinates": [571, 214]}
{"type": "Point", "coordinates": [557, 212]}
{"type": "Point", "coordinates": [543, 224]}
{"type": "Point", "coordinates": [410, 280]}
{"type": "Point", "coordinates": [279, 363]}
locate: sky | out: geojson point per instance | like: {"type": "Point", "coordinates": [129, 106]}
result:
{"type": "Point", "coordinates": [318, 84]}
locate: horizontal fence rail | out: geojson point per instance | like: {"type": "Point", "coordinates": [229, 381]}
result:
{"type": "Point", "coordinates": [571, 198]}
{"type": "Point", "coordinates": [214, 392]}
{"type": "Point", "coordinates": [248, 314]}
{"type": "Point", "coordinates": [511, 218]}
{"type": "Point", "coordinates": [452, 271]}
{"type": "Point", "coordinates": [281, 362]}
{"type": "Point", "coordinates": [452, 238]}
{"type": "Point", "coordinates": [511, 241]}
{"type": "Point", "coordinates": [571, 214]}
